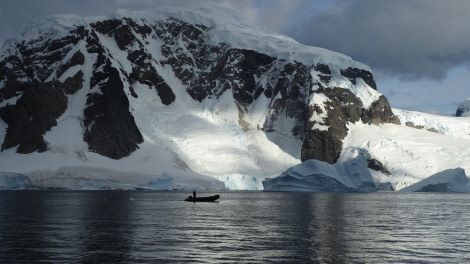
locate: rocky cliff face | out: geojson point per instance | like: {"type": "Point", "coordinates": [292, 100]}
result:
{"type": "Point", "coordinates": [104, 59]}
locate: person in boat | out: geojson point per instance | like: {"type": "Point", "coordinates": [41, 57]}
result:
{"type": "Point", "coordinates": [194, 194]}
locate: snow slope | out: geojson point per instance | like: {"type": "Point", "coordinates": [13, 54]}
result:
{"type": "Point", "coordinates": [447, 125]}
{"type": "Point", "coordinates": [412, 154]}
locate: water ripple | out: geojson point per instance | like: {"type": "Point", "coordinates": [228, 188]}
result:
{"type": "Point", "coordinates": [243, 227]}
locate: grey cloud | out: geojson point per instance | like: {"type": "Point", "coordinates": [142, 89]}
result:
{"type": "Point", "coordinates": [16, 13]}
{"type": "Point", "coordinates": [409, 38]}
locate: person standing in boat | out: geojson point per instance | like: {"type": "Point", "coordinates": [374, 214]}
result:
{"type": "Point", "coordinates": [194, 194]}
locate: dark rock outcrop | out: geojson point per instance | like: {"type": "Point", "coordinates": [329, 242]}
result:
{"type": "Point", "coordinates": [342, 108]}
{"type": "Point", "coordinates": [353, 74]}
{"type": "Point", "coordinates": [326, 145]}
{"type": "Point", "coordinates": [72, 84]}
{"type": "Point", "coordinates": [35, 112]}
{"type": "Point", "coordinates": [378, 166]}
{"type": "Point", "coordinates": [110, 127]}
{"type": "Point", "coordinates": [379, 112]}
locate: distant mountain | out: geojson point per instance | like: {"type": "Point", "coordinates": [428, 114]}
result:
{"type": "Point", "coordinates": [463, 109]}
{"type": "Point", "coordinates": [194, 96]}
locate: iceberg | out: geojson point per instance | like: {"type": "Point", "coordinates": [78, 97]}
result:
{"type": "Point", "coordinates": [451, 180]}
{"type": "Point", "coordinates": [318, 176]}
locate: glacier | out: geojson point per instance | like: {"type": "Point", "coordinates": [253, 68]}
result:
{"type": "Point", "coordinates": [89, 178]}
{"type": "Point", "coordinates": [451, 180]}
{"type": "Point", "coordinates": [14, 181]}
{"type": "Point", "coordinates": [320, 176]}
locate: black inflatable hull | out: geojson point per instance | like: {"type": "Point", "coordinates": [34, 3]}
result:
{"type": "Point", "coordinates": [203, 199]}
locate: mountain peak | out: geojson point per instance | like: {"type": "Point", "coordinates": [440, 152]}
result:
{"type": "Point", "coordinates": [55, 26]}
{"type": "Point", "coordinates": [463, 109]}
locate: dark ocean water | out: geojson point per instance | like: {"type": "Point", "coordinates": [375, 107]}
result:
{"type": "Point", "coordinates": [243, 227]}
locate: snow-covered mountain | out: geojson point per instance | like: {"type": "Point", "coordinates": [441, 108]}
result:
{"type": "Point", "coordinates": [175, 98]}
{"type": "Point", "coordinates": [463, 109]}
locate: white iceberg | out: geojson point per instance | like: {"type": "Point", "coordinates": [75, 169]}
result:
{"type": "Point", "coordinates": [451, 180]}
{"type": "Point", "coordinates": [318, 176]}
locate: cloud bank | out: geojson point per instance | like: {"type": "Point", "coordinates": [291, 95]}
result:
{"type": "Point", "coordinates": [409, 38]}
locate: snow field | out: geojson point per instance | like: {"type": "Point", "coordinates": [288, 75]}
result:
{"type": "Point", "coordinates": [207, 136]}
{"type": "Point", "coordinates": [410, 154]}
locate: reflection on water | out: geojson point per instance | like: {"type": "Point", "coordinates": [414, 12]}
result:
{"type": "Point", "coordinates": [243, 227]}
{"type": "Point", "coordinates": [107, 228]}
{"type": "Point", "coordinates": [57, 226]}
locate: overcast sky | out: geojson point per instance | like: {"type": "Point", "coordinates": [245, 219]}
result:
{"type": "Point", "coordinates": [418, 50]}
